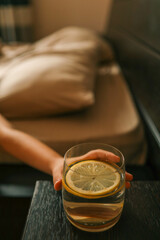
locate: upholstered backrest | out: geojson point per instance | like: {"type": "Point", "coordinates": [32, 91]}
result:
{"type": "Point", "coordinates": [134, 31]}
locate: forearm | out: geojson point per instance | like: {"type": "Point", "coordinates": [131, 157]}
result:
{"type": "Point", "coordinates": [29, 150]}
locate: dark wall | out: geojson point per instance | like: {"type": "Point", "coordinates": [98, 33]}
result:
{"type": "Point", "coordinates": [134, 31]}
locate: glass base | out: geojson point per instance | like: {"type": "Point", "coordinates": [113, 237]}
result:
{"type": "Point", "coordinates": [99, 228]}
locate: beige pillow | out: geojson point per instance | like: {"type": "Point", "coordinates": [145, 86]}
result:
{"type": "Point", "coordinates": [55, 75]}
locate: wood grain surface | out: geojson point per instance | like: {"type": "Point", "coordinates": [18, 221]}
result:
{"type": "Point", "coordinates": [140, 218]}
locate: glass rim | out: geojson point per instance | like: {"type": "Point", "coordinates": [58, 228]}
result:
{"type": "Point", "coordinates": [98, 147]}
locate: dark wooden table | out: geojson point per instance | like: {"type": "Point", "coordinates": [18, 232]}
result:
{"type": "Point", "coordinates": [140, 219]}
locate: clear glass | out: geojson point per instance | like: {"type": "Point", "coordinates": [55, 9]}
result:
{"type": "Point", "coordinates": [93, 213]}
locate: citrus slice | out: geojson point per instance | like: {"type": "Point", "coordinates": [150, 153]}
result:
{"type": "Point", "coordinates": [92, 177]}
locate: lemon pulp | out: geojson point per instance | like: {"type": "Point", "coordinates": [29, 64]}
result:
{"type": "Point", "coordinates": [92, 177]}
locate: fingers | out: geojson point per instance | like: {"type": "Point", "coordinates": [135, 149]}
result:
{"type": "Point", "coordinates": [128, 184]}
{"type": "Point", "coordinates": [98, 154]}
{"type": "Point", "coordinates": [58, 185]}
{"type": "Point", "coordinates": [129, 177]}
{"type": "Point", "coordinates": [102, 155]}
{"type": "Point", "coordinates": [57, 174]}
{"type": "Point", "coordinates": [57, 180]}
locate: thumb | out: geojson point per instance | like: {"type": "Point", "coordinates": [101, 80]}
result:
{"type": "Point", "coordinates": [57, 179]}
{"type": "Point", "coordinates": [58, 185]}
{"type": "Point", "coordinates": [57, 174]}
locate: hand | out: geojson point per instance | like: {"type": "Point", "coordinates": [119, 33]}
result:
{"type": "Point", "coordinates": [94, 154]}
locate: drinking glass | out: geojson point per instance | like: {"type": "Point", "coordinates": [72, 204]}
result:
{"type": "Point", "coordinates": [93, 186]}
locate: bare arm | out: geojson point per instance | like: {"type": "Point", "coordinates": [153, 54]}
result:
{"type": "Point", "coordinates": [31, 151]}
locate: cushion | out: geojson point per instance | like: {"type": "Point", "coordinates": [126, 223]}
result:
{"type": "Point", "coordinates": [52, 76]}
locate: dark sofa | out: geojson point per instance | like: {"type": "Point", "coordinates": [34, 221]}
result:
{"type": "Point", "coordinates": [134, 32]}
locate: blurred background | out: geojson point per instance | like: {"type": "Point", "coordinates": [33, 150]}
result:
{"type": "Point", "coordinates": [29, 20]}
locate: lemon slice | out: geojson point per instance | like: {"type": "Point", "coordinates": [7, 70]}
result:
{"type": "Point", "coordinates": [92, 177]}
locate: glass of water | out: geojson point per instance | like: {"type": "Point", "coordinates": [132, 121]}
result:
{"type": "Point", "coordinates": [93, 186]}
